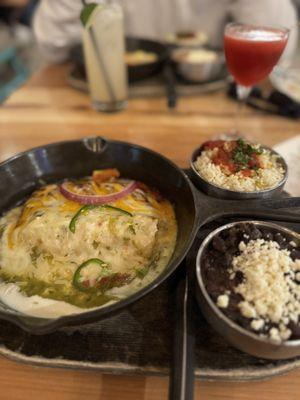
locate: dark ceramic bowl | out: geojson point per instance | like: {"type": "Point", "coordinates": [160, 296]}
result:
{"type": "Point", "coordinates": [135, 72]}
{"type": "Point", "coordinates": [143, 71]}
{"type": "Point", "coordinates": [23, 173]}
{"type": "Point", "coordinates": [239, 337]}
{"type": "Point", "coordinates": [217, 191]}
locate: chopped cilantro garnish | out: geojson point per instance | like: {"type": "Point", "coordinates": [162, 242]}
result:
{"type": "Point", "coordinates": [243, 154]}
{"type": "Point", "coordinates": [240, 158]}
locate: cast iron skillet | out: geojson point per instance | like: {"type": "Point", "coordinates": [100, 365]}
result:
{"type": "Point", "coordinates": [23, 173]}
{"type": "Point", "coordinates": [137, 72]}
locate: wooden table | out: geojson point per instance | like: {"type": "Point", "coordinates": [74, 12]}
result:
{"type": "Point", "coordinates": [45, 110]}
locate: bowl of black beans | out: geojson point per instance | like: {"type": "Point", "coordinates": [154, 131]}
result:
{"type": "Point", "coordinates": [248, 287]}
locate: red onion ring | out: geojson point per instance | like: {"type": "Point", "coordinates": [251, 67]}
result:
{"type": "Point", "coordinates": [97, 199]}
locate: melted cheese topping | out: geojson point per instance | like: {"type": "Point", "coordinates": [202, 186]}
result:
{"type": "Point", "coordinates": [39, 252]}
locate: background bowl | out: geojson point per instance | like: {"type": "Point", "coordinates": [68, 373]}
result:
{"type": "Point", "coordinates": [142, 71]}
{"type": "Point", "coordinates": [135, 72]}
{"type": "Point", "coordinates": [217, 191]}
{"type": "Point", "coordinates": [239, 337]}
{"type": "Point", "coordinates": [198, 72]}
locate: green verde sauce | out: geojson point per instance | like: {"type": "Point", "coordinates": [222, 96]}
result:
{"type": "Point", "coordinates": [32, 286]}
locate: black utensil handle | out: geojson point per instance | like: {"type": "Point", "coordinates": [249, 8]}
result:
{"type": "Point", "coordinates": [170, 82]}
{"type": "Point", "coordinates": [181, 384]}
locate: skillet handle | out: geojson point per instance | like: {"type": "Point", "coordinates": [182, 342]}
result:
{"type": "Point", "coordinates": [181, 383]}
{"type": "Point", "coordinates": [95, 144]}
{"type": "Point", "coordinates": [288, 202]}
{"type": "Point", "coordinates": [285, 209]}
{"type": "Point", "coordinates": [265, 213]}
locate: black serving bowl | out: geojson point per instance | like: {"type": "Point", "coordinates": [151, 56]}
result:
{"type": "Point", "coordinates": [240, 337]}
{"type": "Point", "coordinates": [23, 173]}
{"type": "Point", "coordinates": [143, 71]}
{"type": "Point", "coordinates": [217, 191]}
{"type": "Point", "coordinates": [135, 72]}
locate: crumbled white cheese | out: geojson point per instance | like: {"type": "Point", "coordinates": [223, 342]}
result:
{"type": "Point", "coordinates": [223, 301]}
{"type": "Point", "coordinates": [268, 289]}
{"type": "Point", "coordinates": [285, 333]}
{"type": "Point", "coordinates": [232, 275]}
{"type": "Point", "coordinates": [242, 246]}
{"type": "Point", "coordinates": [257, 324]}
{"type": "Point", "coordinates": [247, 310]}
{"type": "Point", "coordinates": [275, 335]}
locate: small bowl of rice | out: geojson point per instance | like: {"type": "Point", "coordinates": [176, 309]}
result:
{"type": "Point", "coordinates": [238, 169]}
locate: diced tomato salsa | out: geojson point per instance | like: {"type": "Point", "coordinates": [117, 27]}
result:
{"type": "Point", "coordinates": [235, 156]}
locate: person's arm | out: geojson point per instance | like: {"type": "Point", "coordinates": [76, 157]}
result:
{"type": "Point", "coordinates": [57, 27]}
{"type": "Point", "coordinates": [270, 13]}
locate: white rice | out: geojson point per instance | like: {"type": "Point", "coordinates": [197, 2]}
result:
{"type": "Point", "coordinates": [264, 178]}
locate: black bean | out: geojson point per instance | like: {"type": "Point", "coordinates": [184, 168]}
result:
{"type": "Point", "coordinates": [247, 229]}
{"type": "Point", "coordinates": [279, 238]}
{"type": "Point", "coordinates": [232, 240]}
{"type": "Point", "coordinates": [219, 244]}
{"type": "Point", "coordinates": [228, 259]}
{"type": "Point", "coordinates": [232, 251]}
{"type": "Point", "coordinates": [295, 328]}
{"type": "Point", "coordinates": [268, 236]}
{"type": "Point", "coordinates": [295, 254]}
{"type": "Point", "coordinates": [239, 277]}
{"type": "Point", "coordinates": [255, 233]}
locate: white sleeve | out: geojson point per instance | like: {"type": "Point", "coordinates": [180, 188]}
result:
{"type": "Point", "coordinates": [57, 27]}
{"type": "Point", "coordinates": [269, 12]}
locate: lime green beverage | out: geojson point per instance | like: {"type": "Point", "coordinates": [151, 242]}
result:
{"type": "Point", "coordinates": [103, 42]}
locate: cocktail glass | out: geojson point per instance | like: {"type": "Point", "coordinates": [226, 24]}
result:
{"type": "Point", "coordinates": [251, 53]}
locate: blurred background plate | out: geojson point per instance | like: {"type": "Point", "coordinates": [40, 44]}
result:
{"type": "Point", "coordinates": [136, 72]}
{"type": "Point", "coordinates": [148, 80]}
{"type": "Point", "coordinates": [287, 81]}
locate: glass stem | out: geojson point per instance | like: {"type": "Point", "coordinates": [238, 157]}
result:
{"type": "Point", "coordinates": [242, 95]}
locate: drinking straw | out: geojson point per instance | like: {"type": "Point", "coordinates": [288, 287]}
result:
{"type": "Point", "coordinates": [101, 62]}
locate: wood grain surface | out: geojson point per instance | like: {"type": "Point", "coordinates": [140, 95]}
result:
{"type": "Point", "coordinates": [46, 109]}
